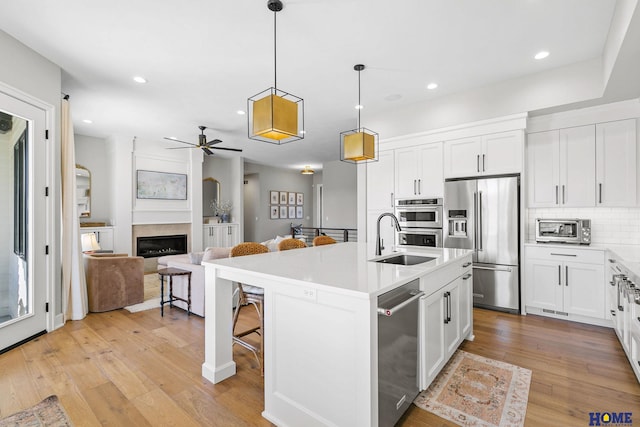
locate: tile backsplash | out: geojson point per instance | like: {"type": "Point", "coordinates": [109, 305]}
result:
{"type": "Point", "coordinates": [619, 226]}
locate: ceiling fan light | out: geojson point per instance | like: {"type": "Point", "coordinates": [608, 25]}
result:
{"type": "Point", "coordinates": [358, 145]}
{"type": "Point", "coordinates": [307, 171]}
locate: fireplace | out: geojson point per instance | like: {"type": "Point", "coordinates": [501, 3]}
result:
{"type": "Point", "coordinates": [157, 246]}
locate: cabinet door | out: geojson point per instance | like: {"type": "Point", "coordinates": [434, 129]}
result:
{"type": "Point", "coordinates": [544, 284]}
{"type": "Point", "coordinates": [380, 179]}
{"type": "Point", "coordinates": [387, 233]}
{"type": "Point", "coordinates": [432, 350]}
{"type": "Point", "coordinates": [431, 177]}
{"type": "Point", "coordinates": [452, 311]}
{"type": "Point", "coordinates": [584, 291]}
{"type": "Point", "coordinates": [616, 163]}
{"type": "Point", "coordinates": [502, 153]}
{"type": "Point", "coordinates": [543, 174]}
{"type": "Point", "coordinates": [462, 157]}
{"type": "Point", "coordinates": [231, 235]}
{"type": "Point", "coordinates": [578, 166]}
{"type": "Point", "coordinates": [406, 172]}
{"type": "Point", "coordinates": [465, 294]}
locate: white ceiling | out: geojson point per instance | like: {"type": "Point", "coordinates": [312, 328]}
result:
{"type": "Point", "coordinates": [203, 59]}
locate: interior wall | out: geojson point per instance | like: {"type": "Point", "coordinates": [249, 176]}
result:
{"type": "Point", "coordinates": [251, 205]}
{"type": "Point", "coordinates": [222, 170]}
{"type": "Point", "coordinates": [36, 76]}
{"type": "Point", "coordinates": [339, 186]}
{"type": "Point", "coordinates": [278, 179]}
{"type": "Point", "coordinates": [92, 154]}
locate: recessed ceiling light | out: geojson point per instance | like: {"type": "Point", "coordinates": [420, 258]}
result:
{"type": "Point", "coordinates": [432, 86]}
{"type": "Point", "coordinates": [541, 55]}
{"type": "Point", "coordinates": [87, 121]}
{"type": "Point", "coordinates": [139, 79]}
{"type": "Point", "coordinates": [242, 113]}
{"type": "Point", "coordinates": [359, 107]}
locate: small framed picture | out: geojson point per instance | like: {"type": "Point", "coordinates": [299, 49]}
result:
{"type": "Point", "coordinates": [299, 212]}
{"type": "Point", "coordinates": [275, 197]}
{"type": "Point", "coordinates": [299, 199]}
{"type": "Point", "coordinates": [274, 212]}
{"type": "Point", "coordinates": [292, 211]}
{"type": "Point", "coordinates": [284, 197]}
{"type": "Point", "coordinates": [292, 198]}
{"type": "Point", "coordinates": [283, 212]}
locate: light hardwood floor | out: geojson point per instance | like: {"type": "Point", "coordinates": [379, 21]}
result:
{"type": "Point", "coordinates": [138, 369]}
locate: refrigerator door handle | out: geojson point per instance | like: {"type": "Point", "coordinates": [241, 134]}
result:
{"type": "Point", "coordinates": [480, 220]}
{"type": "Point", "coordinates": [475, 221]}
{"type": "Point", "coordinates": [505, 269]}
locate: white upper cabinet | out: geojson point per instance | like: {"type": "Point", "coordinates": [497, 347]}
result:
{"type": "Point", "coordinates": [380, 182]}
{"type": "Point", "coordinates": [561, 167]}
{"type": "Point", "coordinates": [493, 154]}
{"type": "Point", "coordinates": [616, 163]}
{"type": "Point", "coordinates": [418, 171]}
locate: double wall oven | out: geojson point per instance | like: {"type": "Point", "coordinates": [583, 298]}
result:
{"type": "Point", "coordinates": [421, 222]}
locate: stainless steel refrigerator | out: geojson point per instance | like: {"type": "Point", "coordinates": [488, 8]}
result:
{"type": "Point", "coordinates": [484, 215]}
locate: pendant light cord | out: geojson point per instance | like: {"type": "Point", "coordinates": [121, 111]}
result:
{"type": "Point", "coordinates": [359, 103]}
{"type": "Point", "coordinates": [275, 56]}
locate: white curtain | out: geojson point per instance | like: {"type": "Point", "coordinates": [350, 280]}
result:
{"type": "Point", "coordinates": [74, 286]}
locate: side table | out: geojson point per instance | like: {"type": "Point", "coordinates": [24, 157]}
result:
{"type": "Point", "coordinates": [170, 272]}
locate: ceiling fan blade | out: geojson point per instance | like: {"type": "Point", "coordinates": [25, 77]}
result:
{"type": "Point", "coordinates": [213, 142]}
{"type": "Point", "coordinates": [179, 148]}
{"type": "Point", "coordinates": [177, 140]}
{"type": "Point", "coordinates": [227, 149]}
{"type": "Point", "coordinates": [206, 150]}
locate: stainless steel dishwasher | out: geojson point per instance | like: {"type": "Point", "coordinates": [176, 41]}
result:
{"type": "Point", "coordinates": [397, 351]}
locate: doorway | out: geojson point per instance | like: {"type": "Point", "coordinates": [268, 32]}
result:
{"type": "Point", "coordinates": [24, 282]}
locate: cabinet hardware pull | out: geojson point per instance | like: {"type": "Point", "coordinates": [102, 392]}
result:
{"type": "Point", "coordinates": [466, 276]}
{"type": "Point", "coordinates": [613, 312]}
{"type": "Point", "coordinates": [563, 254]}
{"type": "Point", "coordinates": [600, 196]}
{"type": "Point", "coordinates": [414, 187]}
{"type": "Point", "coordinates": [566, 275]}
{"type": "Point", "coordinates": [478, 162]}
{"type": "Point", "coordinates": [466, 264]}
{"type": "Point", "coordinates": [98, 236]}
{"type": "Point", "coordinates": [419, 186]}
{"type": "Point", "coordinates": [391, 199]}
{"type": "Point", "coordinates": [449, 303]}
{"type": "Point", "coordinates": [563, 202]}
{"type": "Point", "coordinates": [556, 194]}
{"type": "Point", "coordinates": [483, 163]}
{"type": "Point", "coordinates": [559, 276]}
{"type": "Point", "coordinates": [446, 307]}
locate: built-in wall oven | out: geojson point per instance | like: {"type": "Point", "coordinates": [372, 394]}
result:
{"type": "Point", "coordinates": [420, 221]}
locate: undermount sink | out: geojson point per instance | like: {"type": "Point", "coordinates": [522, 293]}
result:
{"type": "Point", "coordinates": [406, 259]}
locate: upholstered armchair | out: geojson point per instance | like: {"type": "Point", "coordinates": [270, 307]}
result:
{"type": "Point", "coordinates": [114, 281]}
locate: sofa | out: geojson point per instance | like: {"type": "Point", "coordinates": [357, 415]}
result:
{"type": "Point", "coordinates": [191, 262]}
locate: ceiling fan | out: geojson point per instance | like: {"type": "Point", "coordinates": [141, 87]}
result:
{"type": "Point", "coordinates": [206, 146]}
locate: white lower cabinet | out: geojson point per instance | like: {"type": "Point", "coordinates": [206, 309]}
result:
{"type": "Point", "coordinates": [566, 282]}
{"type": "Point", "coordinates": [446, 319]}
{"type": "Point", "coordinates": [221, 235]}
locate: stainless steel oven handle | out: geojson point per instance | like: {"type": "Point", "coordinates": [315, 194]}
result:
{"type": "Point", "coordinates": [505, 269]}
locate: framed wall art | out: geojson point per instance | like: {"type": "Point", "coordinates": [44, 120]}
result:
{"type": "Point", "coordinates": [161, 185]}
{"type": "Point", "coordinates": [299, 212]}
{"type": "Point", "coordinates": [292, 211]}
{"type": "Point", "coordinates": [274, 212]}
{"type": "Point", "coordinates": [274, 197]}
{"type": "Point", "coordinates": [283, 211]}
{"type": "Point", "coordinates": [292, 198]}
{"type": "Point", "coordinates": [299, 198]}
{"type": "Point", "coordinates": [284, 197]}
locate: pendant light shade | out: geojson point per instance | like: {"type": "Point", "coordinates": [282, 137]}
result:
{"type": "Point", "coordinates": [275, 116]}
{"type": "Point", "coordinates": [361, 144]}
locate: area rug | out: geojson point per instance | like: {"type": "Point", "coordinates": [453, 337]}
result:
{"type": "Point", "coordinates": [475, 391]}
{"type": "Point", "coordinates": [48, 413]}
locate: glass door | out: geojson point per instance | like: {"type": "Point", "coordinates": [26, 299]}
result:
{"type": "Point", "coordinates": [23, 284]}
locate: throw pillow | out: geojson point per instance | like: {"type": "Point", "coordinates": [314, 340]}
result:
{"type": "Point", "coordinates": [195, 257]}
{"type": "Point", "coordinates": [215, 253]}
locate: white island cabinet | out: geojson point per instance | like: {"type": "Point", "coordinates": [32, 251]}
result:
{"type": "Point", "coordinates": [321, 325]}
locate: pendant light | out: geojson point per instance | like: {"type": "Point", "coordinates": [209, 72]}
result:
{"type": "Point", "coordinates": [275, 116]}
{"type": "Point", "coordinates": [359, 145]}
{"type": "Point", "coordinates": [307, 171]}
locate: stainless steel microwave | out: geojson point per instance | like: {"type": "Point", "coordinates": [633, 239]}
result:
{"type": "Point", "coordinates": [576, 231]}
{"type": "Point", "coordinates": [419, 213]}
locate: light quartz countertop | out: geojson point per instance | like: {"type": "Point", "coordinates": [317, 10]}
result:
{"type": "Point", "coordinates": [341, 268]}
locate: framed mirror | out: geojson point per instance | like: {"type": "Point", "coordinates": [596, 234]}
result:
{"type": "Point", "coordinates": [210, 192]}
{"type": "Point", "coordinates": [83, 191]}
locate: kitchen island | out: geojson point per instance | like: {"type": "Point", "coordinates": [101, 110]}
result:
{"type": "Point", "coordinates": [320, 326]}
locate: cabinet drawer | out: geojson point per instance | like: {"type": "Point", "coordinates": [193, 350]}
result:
{"type": "Point", "coordinates": [447, 274]}
{"type": "Point", "coordinates": [590, 256]}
